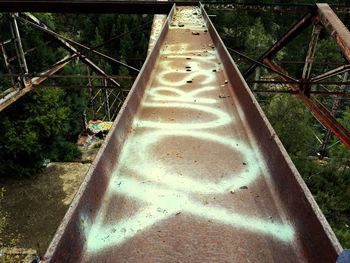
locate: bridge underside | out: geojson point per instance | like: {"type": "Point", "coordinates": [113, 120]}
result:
{"type": "Point", "coordinates": [192, 171]}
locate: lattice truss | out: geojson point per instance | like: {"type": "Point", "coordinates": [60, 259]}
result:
{"type": "Point", "coordinates": [307, 86]}
{"type": "Point", "coordinates": [105, 91]}
{"type": "Point", "coordinates": [107, 95]}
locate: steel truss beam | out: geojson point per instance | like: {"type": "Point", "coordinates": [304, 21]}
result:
{"type": "Point", "coordinates": [321, 113]}
{"type": "Point", "coordinates": [146, 7]}
{"type": "Point", "coordinates": [28, 82]}
{"type": "Point", "coordinates": [41, 26]}
{"type": "Point", "coordinates": [325, 16]}
{"type": "Point", "coordinates": [13, 94]}
{"type": "Point", "coordinates": [19, 50]}
{"type": "Point", "coordinates": [331, 73]}
{"type": "Point", "coordinates": [283, 41]}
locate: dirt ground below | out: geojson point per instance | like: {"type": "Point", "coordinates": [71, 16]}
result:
{"type": "Point", "coordinates": [35, 206]}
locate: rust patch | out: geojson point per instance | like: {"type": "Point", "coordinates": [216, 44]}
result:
{"type": "Point", "coordinates": [196, 177]}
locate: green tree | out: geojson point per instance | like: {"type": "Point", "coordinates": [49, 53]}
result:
{"type": "Point", "coordinates": [33, 130]}
{"type": "Point", "coordinates": [291, 120]}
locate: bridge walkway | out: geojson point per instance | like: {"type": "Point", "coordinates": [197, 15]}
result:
{"type": "Point", "coordinates": [192, 171]}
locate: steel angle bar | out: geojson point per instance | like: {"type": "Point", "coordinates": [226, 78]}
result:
{"type": "Point", "coordinates": [311, 51]}
{"type": "Point", "coordinates": [322, 114]}
{"type": "Point", "coordinates": [331, 73]}
{"type": "Point", "coordinates": [257, 63]}
{"type": "Point", "coordinates": [41, 26]}
{"type": "Point", "coordinates": [272, 81]}
{"type": "Point", "coordinates": [16, 93]}
{"type": "Point", "coordinates": [7, 64]}
{"type": "Point", "coordinates": [295, 30]}
{"type": "Point", "coordinates": [322, 93]}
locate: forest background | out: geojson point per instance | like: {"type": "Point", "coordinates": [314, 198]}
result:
{"type": "Point", "coordinates": [45, 124]}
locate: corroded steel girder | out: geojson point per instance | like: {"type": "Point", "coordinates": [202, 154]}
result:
{"type": "Point", "coordinates": [191, 170]}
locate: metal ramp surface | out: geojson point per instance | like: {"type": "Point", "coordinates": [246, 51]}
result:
{"type": "Point", "coordinates": [192, 171]}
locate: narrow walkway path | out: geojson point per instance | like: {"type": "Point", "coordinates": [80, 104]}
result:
{"type": "Point", "coordinates": [190, 186]}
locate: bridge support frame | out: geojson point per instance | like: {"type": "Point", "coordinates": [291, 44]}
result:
{"type": "Point", "coordinates": [324, 16]}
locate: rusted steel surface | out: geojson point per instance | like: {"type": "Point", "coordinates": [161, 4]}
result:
{"type": "Point", "coordinates": [157, 25]}
{"type": "Point", "coordinates": [335, 27]}
{"type": "Point", "coordinates": [191, 170]}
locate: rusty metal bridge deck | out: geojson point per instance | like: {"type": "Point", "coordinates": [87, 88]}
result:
{"type": "Point", "coordinates": [192, 171]}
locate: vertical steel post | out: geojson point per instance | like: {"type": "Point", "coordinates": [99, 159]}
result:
{"type": "Point", "coordinates": [92, 95]}
{"type": "Point", "coordinates": [311, 51]}
{"type": "Point", "coordinates": [336, 105]}
{"type": "Point", "coordinates": [257, 77]}
{"type": "Point", "coordinates": [108, 110]}
{"type": "Point", "coordinates": [19, 49]}
{"type": "Point", "coordinates": [7, 64]}
{"type": "Point", "coordinates": [84, 122]}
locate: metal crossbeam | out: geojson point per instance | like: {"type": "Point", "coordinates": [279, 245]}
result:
{"type": "Point", "coordinates": [149, 6]}
{"type": "Point", "coordinates": [41, 26]}
{"type": "Point", "coordinates": [13, 94]}
{"type": "Point", "coordinates": [283, 41]}
{"type": "Point", "coordinates": [322, 114]}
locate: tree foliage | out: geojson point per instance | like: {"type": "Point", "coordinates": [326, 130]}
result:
{"type": "Point", "coordinates": [45, 123]}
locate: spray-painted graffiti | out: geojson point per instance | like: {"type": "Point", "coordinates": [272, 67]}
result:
{"type": "Point", "coordinates": [160, 166]}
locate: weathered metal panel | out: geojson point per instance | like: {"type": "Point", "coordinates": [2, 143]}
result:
{"type": "Point", "coordinates": [191, 170]}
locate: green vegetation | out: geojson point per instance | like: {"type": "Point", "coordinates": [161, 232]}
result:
{"type": "Point", "coordinates": [328, 179]}
{"type": "Point", "coordinates": [44, 124]}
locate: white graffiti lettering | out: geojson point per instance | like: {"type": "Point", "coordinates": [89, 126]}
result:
{"type": "Point", "coordinates": [163, 183]}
